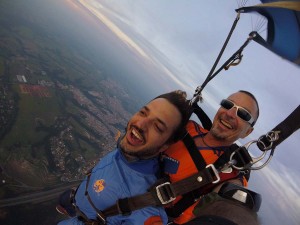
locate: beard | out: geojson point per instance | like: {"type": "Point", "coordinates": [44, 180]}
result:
{"type": "Point", "coordinates": [216, 134]}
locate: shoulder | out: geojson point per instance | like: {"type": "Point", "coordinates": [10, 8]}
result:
{"type": "Point", "coordinates": [195, 128]}
{"type": "Point", "coordinates": [107, 159]}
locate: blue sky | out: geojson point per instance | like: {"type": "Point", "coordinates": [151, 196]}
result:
{"type": "Point", "coordinates": [183, 39]}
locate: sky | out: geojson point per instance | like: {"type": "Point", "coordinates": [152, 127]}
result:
{"type": "Point", "coordinates": [183, 39]}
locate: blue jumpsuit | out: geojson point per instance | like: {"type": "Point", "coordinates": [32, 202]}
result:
{"type": "Point", "coordinates": [114, 178]}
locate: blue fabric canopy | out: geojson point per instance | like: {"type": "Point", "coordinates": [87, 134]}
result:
{"type": "Point", "coordinates": [283, 30]}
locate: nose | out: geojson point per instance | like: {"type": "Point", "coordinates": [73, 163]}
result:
{"type": "Point", "coordinates": [142, 123]}
{"type": "Point", "coordinates": [232, 112]}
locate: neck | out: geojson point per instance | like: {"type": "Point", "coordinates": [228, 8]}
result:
{"type": "Point", "coordinates": [132, 157]}
{"type": "Point", "coordinates": [210, 140]}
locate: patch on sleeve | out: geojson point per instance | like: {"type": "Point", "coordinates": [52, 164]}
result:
{"type": "Point", "coordinates": [154, 220]}
{"type": "Point", "coordinates": [170, 165]}
{"type": "Point", "coordinates": [99, 185]}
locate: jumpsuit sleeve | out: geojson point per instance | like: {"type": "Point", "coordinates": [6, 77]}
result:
{"type": "Point", "coordinates": [147, 216]}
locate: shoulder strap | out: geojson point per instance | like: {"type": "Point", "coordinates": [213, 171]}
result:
{"type": "Point", "coordinates": [189, 198]}
{"type": "Point", "coordinates": [194, 152]}
{"type": "Point", "coordinates": [202, 116]}
{"type": "Point", "coordinates": [101, 218]}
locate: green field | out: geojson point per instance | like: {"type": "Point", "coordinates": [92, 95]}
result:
{"type": "Point", "coordinates": [32, 109]}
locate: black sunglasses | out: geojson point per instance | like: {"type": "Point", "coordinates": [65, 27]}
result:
{"type": "Point", "coordinates": [240, 112]}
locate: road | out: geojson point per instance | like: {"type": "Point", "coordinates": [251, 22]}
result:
{"type": "Point", "coordinates": [37, 197]}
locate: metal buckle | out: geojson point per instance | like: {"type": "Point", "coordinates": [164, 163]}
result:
{"type": "Point", "coordinates": [169, 192]}
{"type": "Point", "coordinates": [215, 171]}
{"type": "Point", "coordinates": [265, 142]}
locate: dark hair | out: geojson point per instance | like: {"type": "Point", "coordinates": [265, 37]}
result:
{"type": "Point", "coordinates": [253, 97]}
{"type": "Point", "coordinates": [178, 99]}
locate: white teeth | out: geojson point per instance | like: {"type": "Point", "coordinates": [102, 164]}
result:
{"type": "Point", "coordinates": [226, 124]}
{"type": "Point", "coordinates": [137, 135]}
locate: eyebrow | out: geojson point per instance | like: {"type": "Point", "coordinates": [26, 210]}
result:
{"type": "Point", "coordinates": [159, 120]}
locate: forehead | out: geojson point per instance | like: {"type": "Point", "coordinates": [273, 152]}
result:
{"type": "Point", "coordinates": [245, 101]}
{"type": "Point", "coordinates": [165, 111]}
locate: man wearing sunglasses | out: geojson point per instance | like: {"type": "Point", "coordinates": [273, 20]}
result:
{"type": "Point", "coordinates": [234, 120]}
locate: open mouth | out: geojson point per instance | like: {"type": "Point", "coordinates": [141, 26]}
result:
{"type": "Point", "coordinates": [135, 137]}
{"type": "Point", "coordinates": [226, 124]}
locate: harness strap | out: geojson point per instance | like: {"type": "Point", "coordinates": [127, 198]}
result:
{"type": "Point", "coordinates": [166, 192]}
{"type": "Point", "coordinates": [202, 116]}
{"type": "Point", "coordinates": [224, 158]}
{"type": "Point", "coordinates": [188, 199]}
{"type": "Point", "coordinates": [101, 218]}
{"type": "Point", "coordinates": [82, 217]}
{"type": "Point", "coordinates": [194, 152]}
{"type": "Point", "coordinates": [100, 215]}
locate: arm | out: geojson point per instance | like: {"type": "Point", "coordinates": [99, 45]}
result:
{"type": "Point", "coordinates": [147, 216]}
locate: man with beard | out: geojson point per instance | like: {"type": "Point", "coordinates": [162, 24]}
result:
{"type": "Point", "coordinates": [235, 119]}
{"type": "Point", "coordinates": [133, 167]}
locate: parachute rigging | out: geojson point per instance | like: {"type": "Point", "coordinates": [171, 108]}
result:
{"type": "Point", "coordinates": [273, 138]}
{"type": "Point", "coordinates": [283, 38]}
{"type": "Point", "coordinates": [283, 29]}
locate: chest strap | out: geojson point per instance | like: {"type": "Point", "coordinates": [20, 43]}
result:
{"type": "Point", "coordinates": [101, 217]}
{"type": "Point", "coordinates": [165, 192]}
{"type": "Point", "coordinates": [242, 158]}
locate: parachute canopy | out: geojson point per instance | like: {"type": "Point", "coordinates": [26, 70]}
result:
{"type": "Point", "coordinates": [283, 29]}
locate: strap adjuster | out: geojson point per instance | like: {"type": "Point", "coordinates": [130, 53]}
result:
{"type": "Point", "coordinates": [165, 193]}
{"type": "Point", "coordinates": [214, 173]}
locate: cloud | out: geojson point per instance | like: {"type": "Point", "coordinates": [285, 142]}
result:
{"type": "Point", "coordinates": [95, 8]}
{"type": "Point", "coordinates": [280, 193]}
{"type": "Point", "coordinates": [279, 181]}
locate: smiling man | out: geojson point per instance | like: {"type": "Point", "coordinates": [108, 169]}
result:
{"type": "Point", "coordinates": [133, 167]}
{"type": "Point", "coordinates": [234, 119]}
{"type": "Point", "coordinates": [143, 141]}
